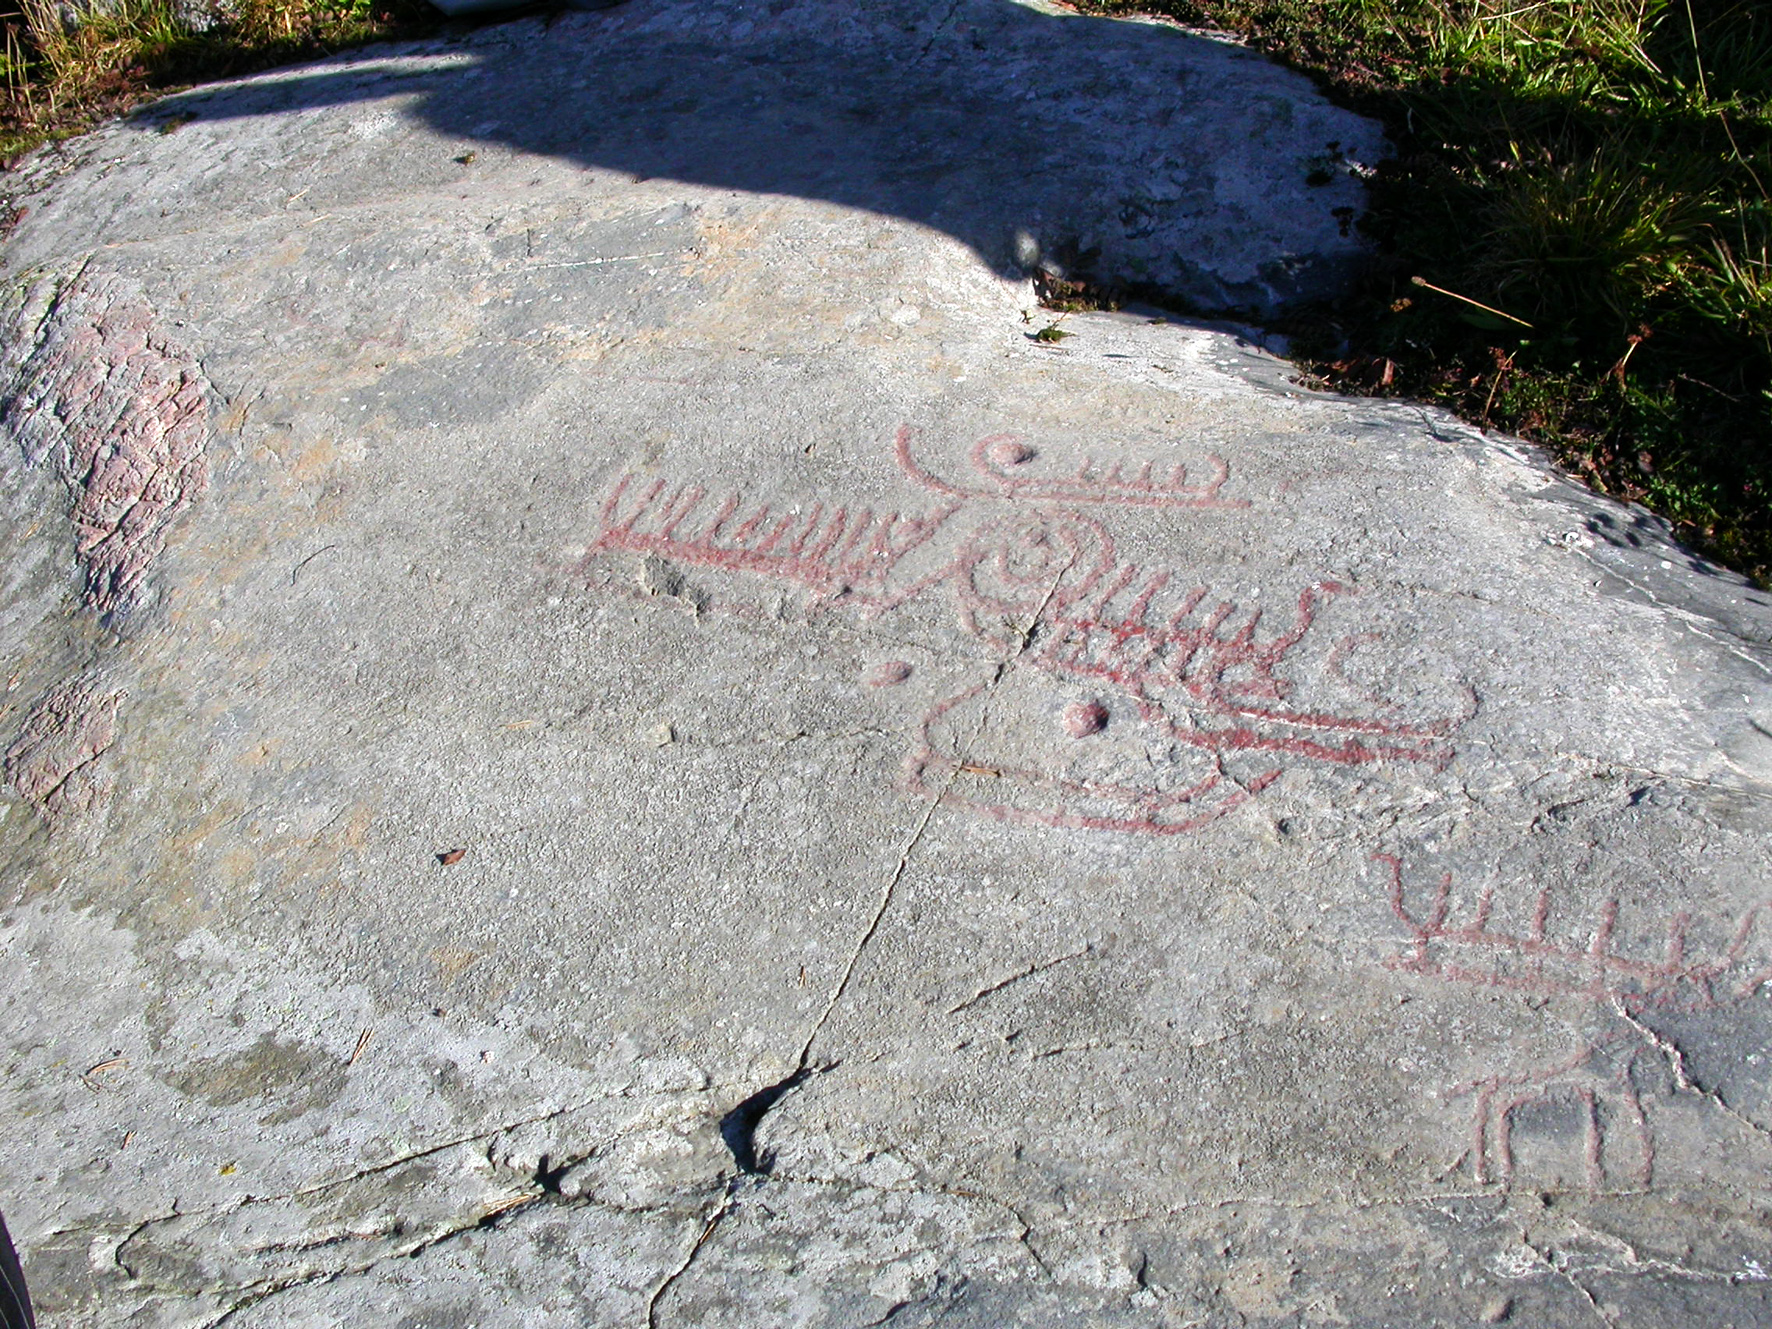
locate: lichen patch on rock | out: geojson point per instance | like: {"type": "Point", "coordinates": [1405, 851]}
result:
{"type": "Point", "coordinates": [55, 763]}
{"type": "Point", "coordinates": [122, 411]}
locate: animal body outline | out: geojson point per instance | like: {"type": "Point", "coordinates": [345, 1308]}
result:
{"type": "Point", "coordinates": [1597, 1075]}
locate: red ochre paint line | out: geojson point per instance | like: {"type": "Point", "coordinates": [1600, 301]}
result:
{"type": "Point", "coordinates": [1631, 986]}
{"type": "Point", "coordinates": [1145, 823]}
{"type": "Point", "coordinates": [1607, 974]}
{"type": "Point", "coordinates": [1197, 657]}
{"type": "Point", "coordinates": [835, 549]}
{"type": "Point", "coordinates": [1085, 487]}
{"type": "Point", "coordinates": [814, 550]}
{"type": "Point", "coordinates": [1240, 738]}
{"type": "Point", "coordinates": [1491, 1152]}
{"type": "Point", "coordinates": [1147, 805]}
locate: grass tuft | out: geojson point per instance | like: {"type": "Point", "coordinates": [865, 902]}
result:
{"type": "Point", "coordinates": [61, 76]}
{"type": "Point", "coordinates": [1574, 240]}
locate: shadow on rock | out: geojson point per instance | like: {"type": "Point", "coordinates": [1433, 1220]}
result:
{"type": "Point", "coordinates": [1129, 152]}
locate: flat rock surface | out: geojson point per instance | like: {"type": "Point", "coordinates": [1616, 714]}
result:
{"type": "Point", "coordinates": [597, 733]}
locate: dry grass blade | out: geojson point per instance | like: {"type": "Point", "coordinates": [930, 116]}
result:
{"type": "Point", "coordinates": [1593, 168]}
{"type": "Point", "coordinates": [1475, 304]}
{"type": "Point", "coordinates": [62, 77]}
{"type": "Point", "coordinates": [1596, 165]}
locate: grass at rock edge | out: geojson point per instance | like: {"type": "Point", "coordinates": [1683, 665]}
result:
{"type": "Point", "coordinates": [61, 79]}
{"type": "Point", "coordinates": [1573, 241]}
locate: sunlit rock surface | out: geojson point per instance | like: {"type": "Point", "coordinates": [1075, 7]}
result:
{"type": "Point", "coordinates": [597, 733]}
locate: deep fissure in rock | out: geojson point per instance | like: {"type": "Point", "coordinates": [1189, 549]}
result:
{"type": "Point", "coordinates": [548, 1173]}
{"type": "Point", "coordinates": [738, 1128]}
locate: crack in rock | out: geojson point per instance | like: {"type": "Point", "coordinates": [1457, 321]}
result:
{"type": "Point", "coordinates": [658, 1294]}
{"type": "Point", "coordinates": [1554, 1261]}
{"type": "Point", "coordinates": [546, 1176]}
{"type": "Point", "coordinates": [481, 1222]}
{"type": "Point", "coordinates": [1683, 1081]}
{"type": "Point", "coordinates": [738, 1128]}
{"type": "Point", "coordinates": [1023, 1236]}
{"type": "Point", "coordinates": [1027, 972]}
{"type": "Point", "coordinates": [399, 1238]}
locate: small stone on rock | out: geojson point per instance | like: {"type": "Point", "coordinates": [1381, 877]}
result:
{"type": "Point", "coordinates": [1084, 718]}
{"type": "Point", "coordinates": [888, 673]}
{"type": "Point", "coordinates": [1011, 452]}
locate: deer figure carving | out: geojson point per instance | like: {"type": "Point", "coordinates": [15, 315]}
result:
{"type": "Point", "coordinates": [1595, 1075]}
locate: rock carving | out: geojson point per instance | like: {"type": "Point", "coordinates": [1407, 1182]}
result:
{"type": "Point", "coordinates": [1599, 1074]}
{"type": "Point", "coordinates": [842, 919]}
{"type": "Point", "coordinates": [1038, 578]}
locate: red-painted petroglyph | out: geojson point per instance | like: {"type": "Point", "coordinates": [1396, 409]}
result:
{"type": "Point", "coordinates": [1191, 708]}
{"type": "Point", "coordinates": [830, 550]}
{"type": "Point", "coordinates": [123, 412]}
{"type": "Point", "coordinates": [1596, 1075]}
{"type": "Point", "coordinates": [54, 765]}
{"type": "Point", "coordinates": [1027, 785]}
{"type": "Point", "coordinates": [1004, 467]}
{"type": "Point", "coordinates": [1187, 674]}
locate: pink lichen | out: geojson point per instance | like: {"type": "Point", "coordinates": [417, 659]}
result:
{"type": "Point", "coordinates": [123, 412]}
{"type": "Point", "coordinates": [54, 764]}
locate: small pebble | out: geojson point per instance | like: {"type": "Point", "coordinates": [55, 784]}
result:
{"type": "Point", "coordinates": [1083, 718]}
{"type": "Point", "coordinates": [888, 674]}
{"type": "Point", "coordinates": [1010, 452]}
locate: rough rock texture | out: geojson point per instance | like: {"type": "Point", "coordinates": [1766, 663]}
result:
{"type": "Point", "coordinates": [54, 764]}
{"type": "Point", "coordinates": [123, 411]}
{"type": "Point", "coordinates": [687, 770]}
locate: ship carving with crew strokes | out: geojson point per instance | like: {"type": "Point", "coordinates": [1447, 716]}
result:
{"type": "Point", "coordinates": [1121, 697]}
